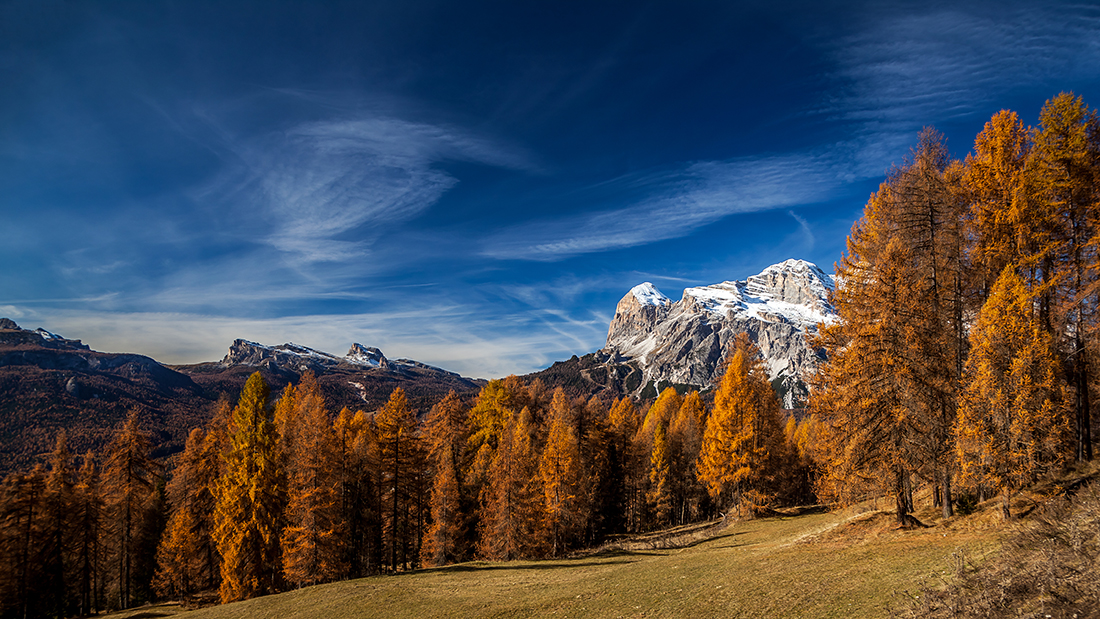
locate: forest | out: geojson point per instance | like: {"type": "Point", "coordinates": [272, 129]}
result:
{"type": "Point", "coordinates": [962, 361]}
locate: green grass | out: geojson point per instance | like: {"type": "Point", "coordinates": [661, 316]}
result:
{"type": "Point", "coordinates": [815, 565]}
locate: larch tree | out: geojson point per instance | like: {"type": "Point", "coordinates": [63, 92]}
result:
{"type": "Point", "coordinates": [88, 523]}
{"type": "Point", "coordinates": [661, 412]}
{"type": "Point", "coordinates": [511, 524]}
{"type": "Point", "coordinates": [685, 438]}
{"type": "Point", "coordinates": [22, 504]}
{"type": "Point", "coordinates": [312, 539]}
{"type": "Point", "coordinates": [249, 505]}
{"type": "Point", "coordinates": [1067, 164]}
{"type": "Point", "coordinates": [632, 464]}
{"type": "Point", "coordinates": [742, 442]}
{"type": "Point", "coordinates": [1001, 217]}
{"type": "Point", "coordinates": [58, 526]}
{"type": "Point", "coordinates": [1012, 425]}
{"type": "Point", "coordinates": [659, 415]}
{"type": "Point", "coordinates": [130, 478]}
{"type": "Point", "coordinates": [445, 437]}
{"type": "Point", "coordinates": [402, 462]}
{"type": "Point", "coordinates": [497, 400]}
{"type": "Point", "coordinates": [360, 492]}
{"type": "Point", "coordinates": [599, 460]}
{"type": "Point", "coordinates": [561, 474]}
{"type": "Point", "coordinates": [660, 479]}
{"type": "Point", "coordinates": [887, 397]}
{"type": "Point", "coordinates": [187, 559]}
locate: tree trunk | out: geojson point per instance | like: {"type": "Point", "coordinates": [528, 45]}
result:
{"type": "Point", "coordinates": [948, 508]}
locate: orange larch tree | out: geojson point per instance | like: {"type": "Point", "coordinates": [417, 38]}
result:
{"type": "Point", "coordinates": [742, 444]}
{"type": "Point", "coordinates": [446, 440]}
{"type": "Point", "coordinates": [1012, 424]}
{"type": "Point", "coordinates": [249, 502]}
{"type": "Point", "coordinates": [402, 464]}
{"type": "Point", "coordinates": [512, 520]}
{"type": "Point", "coordinates": [562, 477]}
{"type": "Point", "coordinates": [314, 532]}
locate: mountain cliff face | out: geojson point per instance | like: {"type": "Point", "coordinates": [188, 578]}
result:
{"type": "Point", "coordinates": [686, 341]}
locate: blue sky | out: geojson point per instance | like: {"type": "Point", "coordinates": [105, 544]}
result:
{"type": "Point", "coordinates": [469, 184]}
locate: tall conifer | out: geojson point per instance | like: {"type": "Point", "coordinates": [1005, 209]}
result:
{"type": "Point", "coordinates": [249, 503]}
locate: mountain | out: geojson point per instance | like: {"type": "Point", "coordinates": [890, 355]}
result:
{"type": "Point", "coordinates": [654, 342]}
{"type": "Point", "coordinates": [361, 379]}
{"type": "Point", "coordinates": [49, 383]}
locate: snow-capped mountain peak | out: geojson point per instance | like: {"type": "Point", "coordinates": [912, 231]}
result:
{"type": "Point", "coordinates": [685, 341]}
{"type": "Point", "coordinates": [647, 294]}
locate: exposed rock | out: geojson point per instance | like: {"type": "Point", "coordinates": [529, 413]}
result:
{"type": "Point", "coordinates": [685, 342]}
{"type": "Point", "coordinates": [8, 323]}
{"type": "Point", "coordinates": [367, 355]}
{"type": "Point", "coordinates": [73, 387]}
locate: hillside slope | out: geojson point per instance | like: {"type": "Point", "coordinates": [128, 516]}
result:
{"type": "Point", "coordinates": [773, 567]}
{"type": "Point", "coordinates": [49, 383]}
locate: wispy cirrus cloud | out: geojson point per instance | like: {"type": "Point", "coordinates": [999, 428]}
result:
{"type": "Point", "coordinates": [894, 75]}
{"type": "Point", "coordinates": [683, 201]}
{"type": "Point", "coordinates": [901, 71]}
{"type": "Point", "coordinates": [326, 189]}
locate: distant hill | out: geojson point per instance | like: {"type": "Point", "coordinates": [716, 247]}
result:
{"type": "Point", "coordinates": [49, 383]}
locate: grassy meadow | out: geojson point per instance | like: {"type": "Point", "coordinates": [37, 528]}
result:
{"type": "Point", "coordinates": [854, 562]}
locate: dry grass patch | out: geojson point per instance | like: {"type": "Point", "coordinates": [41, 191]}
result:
{"type": "Point", "coordinates": [752, 568]}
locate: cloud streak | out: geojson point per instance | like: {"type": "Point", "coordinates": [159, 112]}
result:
{"type": "Point", "coordinates": [453, 337]}
{"type": "Point", "coordinates": [903, 71]}
{"type": "Point", "coordinates": [326, 189]}
{"type": "Point", "coordinates": [699, 194]}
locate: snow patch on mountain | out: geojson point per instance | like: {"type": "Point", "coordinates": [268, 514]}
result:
{"type": "Point", "coordinates": [647, 294]}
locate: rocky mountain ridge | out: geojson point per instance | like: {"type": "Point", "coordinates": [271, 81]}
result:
{"type": "Point", "coordinates": [685, 342]}
{"type": "Point", "coordinates": [48, 383]}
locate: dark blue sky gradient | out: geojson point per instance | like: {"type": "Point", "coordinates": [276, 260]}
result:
{"type": "Point", "coordinates": [473, 185]}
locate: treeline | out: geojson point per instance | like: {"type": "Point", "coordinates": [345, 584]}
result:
{"type": "Point", "coordinates": [278, 493]}
{"type": "Point", "coordinates": [965, 354]}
